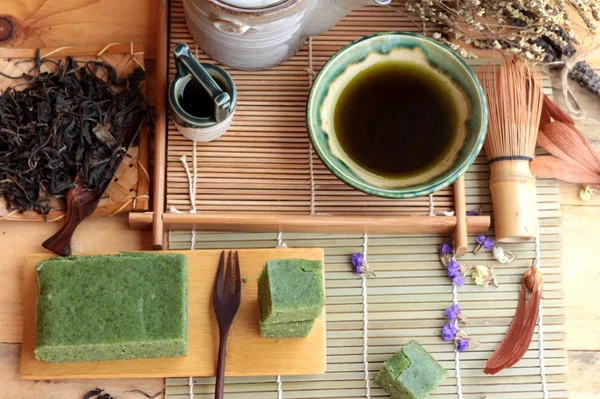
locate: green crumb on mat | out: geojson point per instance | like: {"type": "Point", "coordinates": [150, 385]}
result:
{"type": "Point", "coordinates": [291, 290]}
{"type": "Point", "coordinates": [245, 279]}
{"type": "Point", "coordinates": [411, 373]}
{"type": "Point", "coordinates": [117, 307]}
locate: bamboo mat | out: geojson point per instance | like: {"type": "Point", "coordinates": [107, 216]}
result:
{"type": "Point", "coordinates": [407, 301]}
{"type": "Point", "coordinates": [263, 165]}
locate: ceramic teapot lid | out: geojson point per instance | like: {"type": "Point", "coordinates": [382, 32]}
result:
{"type": "Point", "coordinates": [252, 3]}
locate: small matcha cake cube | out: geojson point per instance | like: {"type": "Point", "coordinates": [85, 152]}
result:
{"type": "Point", "coordinates": [291, 290]}
{"type": "Point", "coordinates": [411, 373]}
{"type": "Point", "coordinates": [292, 329]}
{"type": "Point", "coordinates": [111, 307]}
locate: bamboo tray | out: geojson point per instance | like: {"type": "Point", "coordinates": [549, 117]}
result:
{"type": "Point", "coordinates": [263, 175]}
{"type": "Point", "coordinates": [248, 354]}
{"type": "Point", "coordinates": [129, 190]}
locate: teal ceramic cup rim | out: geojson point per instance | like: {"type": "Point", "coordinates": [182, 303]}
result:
{"type": "Point", "coordinates": [435, 53]}
{"type": "Point", "coordinates": [185, 119]}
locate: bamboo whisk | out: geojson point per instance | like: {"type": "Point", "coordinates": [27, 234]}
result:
{"type": "Point", "coordinates": [514, 97]}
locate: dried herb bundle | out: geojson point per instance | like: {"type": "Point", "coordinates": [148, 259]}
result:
{"type": "Point", "coordinates": [64, 124]}
{"type": "Point", "coordinates": [539, 30]}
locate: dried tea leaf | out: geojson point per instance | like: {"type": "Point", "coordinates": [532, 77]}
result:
{"type": "Point", "coordinates": [103, 134]}
{"type": "Point", "coordinates": [63, 124]}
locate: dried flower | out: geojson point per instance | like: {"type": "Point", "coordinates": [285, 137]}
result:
{"type": "Point", "coordinates": [503, 256]}
{"type": "Point", "coordinates": [463, 342]}
{"type": "Point", "coordinates": [453, 273]}
{"type": "Point", "coordinates": [484, 276]}
{"type": "Point", "coordinates": [485, 244]}
{"type": "Point", "coordinates": [449, 331]}
{"type": "Point", "coordinates": [587, 193]}
{"type": "Point", "coordinates": [458, 280]}
{"type": "Point", "coordinates": [359, 265]}
{"type": "Point", "coordinates": [446, 248]}
{"type": "Point", "coordinates": [453, 266]}
{"type": "Point", "coordinates": [462, 345]}
{"type": "Point", "coordinates": [534, 29]}
{"type": "Point", "coordinates": [357, 259]}
{"type": "Point", "coordinates": [480, 274]}
{"type": "Point", "coordinates": [452, 312]}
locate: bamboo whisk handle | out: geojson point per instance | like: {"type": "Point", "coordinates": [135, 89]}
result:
{"type": "Point", "coordinates": [513, 194]}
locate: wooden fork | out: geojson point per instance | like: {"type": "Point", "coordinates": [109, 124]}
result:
{"type": "Point", "coordinates": [227, 296]}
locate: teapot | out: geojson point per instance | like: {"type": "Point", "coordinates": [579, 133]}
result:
{"type": "Point", "coordinates": [259, 34]}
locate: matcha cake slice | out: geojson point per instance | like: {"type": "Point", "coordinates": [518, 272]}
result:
{"type": "Point", "coordinates": [291, 290]}
{"type": "Point", "coordinates": [411, 373]}
{"type": "Point", "coordinates": [293, 329]}
{"type": "Point", "coordinates": [118, 307]}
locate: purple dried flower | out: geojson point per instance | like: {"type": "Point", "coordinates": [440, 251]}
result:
{"type": "Point", "coordinates": [486, 243]}
{"type": "Point", "coordinates": [453, 312]}
{"type": "Point", "coordinates": [449, 332]}
{"type": "Point", "coordinates": [458, 280]}
{"type": "Point", "coordinates": [358, 260]}
{"type": "Point", "coordinates": [453, 265]}
{"type": "Point", "coordinates": [446, 248]}
{"type": "Point", "coordinates": [452, 273]}
{"type": "Point", "coordinates": [473, 213]}
{"type": "Point", "coordinates": [462, 345]}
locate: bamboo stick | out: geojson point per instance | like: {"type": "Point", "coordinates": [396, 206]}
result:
{"type": "Point", "coordinates": [460, 234]}
{"type": "Point", "coordinates": [333, 224]}
{"type": "Point", "coordinates": [160, 139]}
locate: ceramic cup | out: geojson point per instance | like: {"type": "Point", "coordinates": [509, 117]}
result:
{"type": "Point", "coordinates": [405, 47]}
{"type": "Point", "coordinates": [192, 127]}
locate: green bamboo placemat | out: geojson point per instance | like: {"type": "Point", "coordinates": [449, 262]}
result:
{"type": "Point", "coordinates": [407, 301]}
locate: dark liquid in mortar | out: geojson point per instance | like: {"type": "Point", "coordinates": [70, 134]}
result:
{"type": "Point", "coordinates": [196, 101]}
{"type": "Point", "coordinates": [396, 119]}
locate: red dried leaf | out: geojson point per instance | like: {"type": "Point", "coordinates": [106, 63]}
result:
{"type": "Point", "coordinates": [574, 144]}
{"type": "Point", "coordinates": [517, 340]}
{"type": "Point", "coordinates": [549, 167]}
{"type": "Point", "coordinates": [555, 112]}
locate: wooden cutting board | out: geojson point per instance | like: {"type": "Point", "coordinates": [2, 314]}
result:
{"type": "Point", "coordinates": [248, 354]}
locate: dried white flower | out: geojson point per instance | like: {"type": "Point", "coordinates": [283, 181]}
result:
{"type": "Point", "coordinates": [503, 256]}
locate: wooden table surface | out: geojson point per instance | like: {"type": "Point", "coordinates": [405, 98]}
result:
{"type": "Point", "coordinates": [56, 23]}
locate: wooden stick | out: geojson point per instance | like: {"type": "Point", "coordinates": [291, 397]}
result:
{"type": "Point", "coordinates": [141, 220]}
{"type": "Point", "coordinates": [322, 224]}
{"type": "Point", "coordinates": [120, 48]}
{"type": "Point", "coordinates": [160, 139]}
{"type": "Point", "coordinates": [460, 234]}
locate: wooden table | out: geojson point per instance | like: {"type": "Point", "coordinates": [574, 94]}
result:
{"type": "Point", "coordinates": [49, 23]}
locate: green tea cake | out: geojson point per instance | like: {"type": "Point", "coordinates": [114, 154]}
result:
{"type": "Point", "coordinates": [291, 290]}
{"type": "Point", "coordinates": [292, 329]}
{"type": "Point", "coordinates": [411, 373]}
{"type": "Point", "coordinates": [118, 307]}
